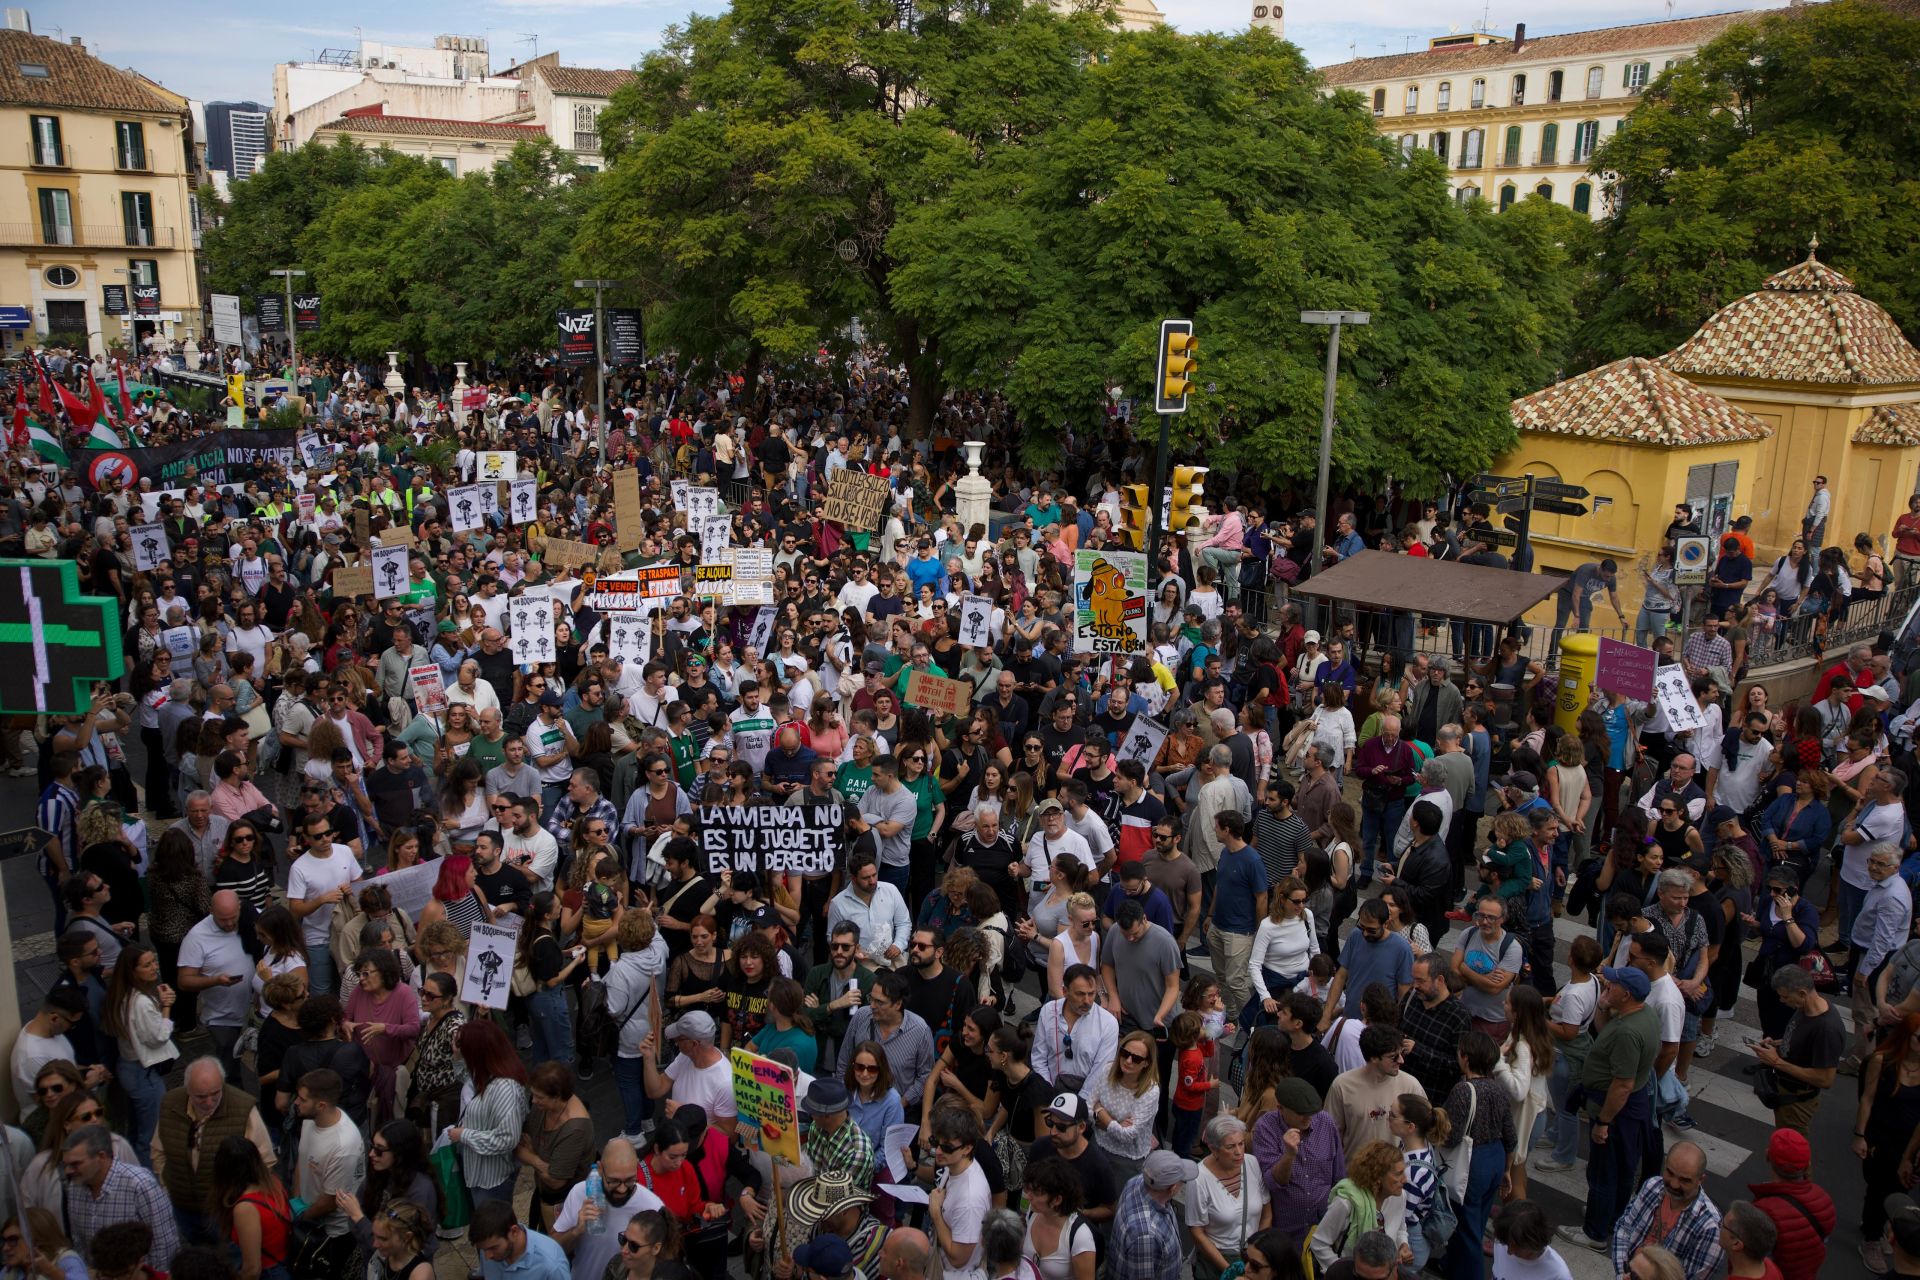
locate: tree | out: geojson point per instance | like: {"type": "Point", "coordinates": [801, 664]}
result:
{"type": "Point", "coordinates": [1797, 124]}
{"type": "Point", "coordinates": [260, 224]}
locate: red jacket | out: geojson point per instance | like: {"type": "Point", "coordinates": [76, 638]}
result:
{"type": "Point", "coordinates": [1801, 1249]}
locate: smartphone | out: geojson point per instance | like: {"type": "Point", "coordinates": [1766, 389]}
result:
{"type": "Point", "coordinates": [1750, 1040]}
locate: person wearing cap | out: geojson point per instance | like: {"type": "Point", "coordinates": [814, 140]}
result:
{"type": "Point", "coordinates": [700, 1074]}
{"type": "Point", "coordinates": [1069, 1137]}
{"type": "Point", "coordinates": [825, 1257]}
{"type": "Point", "coordinates": [836, 1146]}
{"type": "Point", "coordinates": [1147, 1235]}
{"type": "Point", "coordinates": [1053, 838]}
{"type": "Point", "coordinates": [1674, 1212]}
{"type": "Point", "coordinates": [1900, 1250]}
{"type": "Point", "coordinates": [1298, 1148]}
{"type": "Point", "coordinates": [551, 746]}
{"type": "Point", "coordinates": [1619, 1103]}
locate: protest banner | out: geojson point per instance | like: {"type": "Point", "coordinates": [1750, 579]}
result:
{"type": "Point", "coordinates": [1625, 669]}
{"type": "Point", "coordinates": [767, 838]}
{"type": "Point", "coordinates": [411, 887]}
{"type": "Point", "coordinates": [489, 974]}
{"type": "Point", "coordinates": [429, 688]}
{"type": "Point", "coordinates": [521, 506]}
{"type": "Point", "coordinates": [150, 548]}
{"type": "Point", "coordinates": [464, 512]}
{"type": "Point", "coordinates": [856, 500]}
{"type": "Point", "coordinates": [567, 552]}
{"type": "Point", "coordinates": [976, 620]}
{"type": "Point", "coordinates": [659, 581]}
{"type": "Point", "coordinates": [628, 521]}
{"type": "Point", "coordinates": [232, 456]}
{"type": "Point", "coordinates": [1109, 602]}
{"type": "Point", "coordinates": [1671, 690]}
{"type": "Point", "coordinates": [1142, 740]}
{"type": "Point", "coordinates": [768, 1116]}
{"type": "Point", "coordinates": [629, 637]}
{"type": "Point", "coordinates": [499, 464]}
{"type": "Point", "coordinates": [389, 572]}
{"type": "Point", "coordinates": [350, 580]}
{"type": "Point", "coordinates": [715, 580]}
{"type": "Point", "coordinates": [938, 694]}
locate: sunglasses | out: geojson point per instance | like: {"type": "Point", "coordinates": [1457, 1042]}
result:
{"type": "Point", "coordinates": [1133, 1057]}
{"type": "Point", "coordinates": [629, 1245]}
{"type": "Point", "coordinates": [950, 1148]}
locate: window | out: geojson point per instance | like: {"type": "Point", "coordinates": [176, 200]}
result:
{"type": "Point", "coordinates": [1582, 197]}
{"type": "Point", "coordinates": [56, 216]}
{"type": "Point", "coordinates": [1549, 143]}
{"type": "Point", "coordinates": [1586, 136]}
{"type": "Point", "coordinates": [1556, 81]}
{"type": "Point", "coordinates": [1409, 143]}
{"type": "Point", "coordinates": [1438, 145]}
{"type": "Point", "coordinates": [1413, 99]}
{"type": "Point", "coordinates": [1519, 90]}
{"type": "Point", "coordinates": [136, 215]}
{"type": "Point", "coordinates": [62, 277]}
{"type": "Point", "coordinates": [35, 70]}
{"type": "Point", "coordinates": [1478, 96]}
{"type": "Point", "coordinates": [450, 163]}
{"type": "Point", "coordinates": [1379, 102]}
{"type": "Point", "coordinates": [1471, 144]}
{"type": "Point", "coordinates": [1595, 78]}
{"type": "Point", "coordinates": [129, 145]}
{"type": "Point", "coordinates": [586, 127]}
{"type": "Point", "coordinates": [46, 141]}
{"type": "Point", "coordinates": [1670, 64]}
{"type": "Point", "coordinates": [1507, 195]}
{"type": "Point", "coordinates": [1513, 145]}
{"type": "Point", "coordinates": [1443, 96]}
{"type": "Point", "coordinates": [1635, 78]}
{"type": "Point", "coordinates": [1544, 189]}
{"type": "Point", "coordinates": [143, 271]}
{"type": "Point", "coordinates": [1467, 194]}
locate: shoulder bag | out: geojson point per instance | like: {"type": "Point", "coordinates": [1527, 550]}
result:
{"type": "Point", "coordinates": [1459, 1156]}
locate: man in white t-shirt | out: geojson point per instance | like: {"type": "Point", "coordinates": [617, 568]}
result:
{"type": "Point", "coordinates": [753, 727]}
{"type": "Point", "coordinates": [44, 1039]}
{"type": "Point", "coordinates": [316, 884]}
{"type": "Point", "coordinates": [620, 1176]}
{"type": "Point", "coordinates": [249, 637]}
{"type": "Point", "coordinates": [333, 1157]}
{"type": "Point", "coordinates": [1652, 955]}
{"type": "Point", "coordinates": [960, 1198]}
{"type": "Point", "coordinates": [550, 745]}
{"type": "Point", "coordinates": [530, 847]}
{"type": "Point", "coordinates": [701, 1075]}
{"type": "Point", "coordinates": [1054, 838]}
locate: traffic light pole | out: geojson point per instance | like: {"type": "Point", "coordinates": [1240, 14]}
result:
{"type": "Point", "coordinates": [1153, 506]}
{"type": "Point", "coordinates": [1333, 320]}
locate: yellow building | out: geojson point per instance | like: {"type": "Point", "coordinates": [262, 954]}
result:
{"type": "Point", "coordinates": [95, 193]}
{"type": "Point", "coordinates": [1519, 117]}
{"type": "Point", "coordinates": [1801, 377]}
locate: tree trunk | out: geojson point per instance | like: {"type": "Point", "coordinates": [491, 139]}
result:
{"type": "Point", "coordinates": [923, 369]}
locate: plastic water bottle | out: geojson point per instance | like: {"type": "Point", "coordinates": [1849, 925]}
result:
{"type": "Point", "coordinates": [596, 1195]}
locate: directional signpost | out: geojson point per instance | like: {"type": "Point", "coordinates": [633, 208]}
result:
{"type": "Point", "coordinates": [1517, 498]}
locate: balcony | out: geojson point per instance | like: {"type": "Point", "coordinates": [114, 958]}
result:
{"type": "Point", "coordinates": [131, 160]}
{"type": "Point", "coordinates": [49, 156]}
{"type": "Point", "coordinates": [588, 143]}
{"type": "Point", "coordinates": [114, 236]}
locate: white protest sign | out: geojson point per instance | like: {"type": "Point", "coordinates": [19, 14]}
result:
{"type": "Point", "coordinates": [464, 510]}
{"type": "Point", "coordinates": [429, 688]}
{"type": "Point", "coordinates": [411, 887]}
{"type": "Point", "coordinates": [149, 505]}
{"type": "Point", "coordinates": [150, 546]}
{"type": "Point", "coordinates": [181, 642]}
{"type": "Point", "coordinates": [714, 531]}
{"type": "Point", "coordinates": [489, 500]}
{"type": "Point", "coordinates": [751, 564]}
{"type": "Point", "coordinates": [976, 620]}
{"type": "Point", "coordinates": [533, 631]}
{"type": "Point", "coordinates": [524, 500]}
{"type": "Point", "coordinates": [629, 637]}
{"type": "Point", "coordinates": [499, 464]}
{"type": "Point", "coordinates": [1142, 740]}
{"type": "Point", "coordinates": [389, 572]}
{"type": "Point", "coordinates": [679, 490]}
{"type": "Point", "coordinates": [489, 975]}
{"type": "Point", "coordinates": [701, 502]}
{"type": "Point", "coordinates": [1676, 699]}
{"type": "Point", "coordinates": [762, 634]}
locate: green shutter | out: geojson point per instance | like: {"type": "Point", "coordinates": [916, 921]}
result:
{"type": "Point", "coordinates": [1549, 142]}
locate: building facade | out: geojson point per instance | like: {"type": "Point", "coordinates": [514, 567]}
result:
{"type": "Point", "coordinates": [458, 146]}
{"type": "Point", "coordinates": [239, 135]}
{"type": "Point", "coordinates": [1517, 117]}
{"type": "Point", "coordinates": [96, 191]}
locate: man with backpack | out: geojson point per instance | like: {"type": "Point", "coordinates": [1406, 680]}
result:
{"type": "Point", "coordinates": [1486, 961]}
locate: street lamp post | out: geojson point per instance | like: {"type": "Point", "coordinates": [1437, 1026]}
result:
{"type": "Point", "coordinates": [1335, 319]}
{"type": "Point", "coordinates": [599, 358]}
{"type": "Point", "coordinates": [288, 275]}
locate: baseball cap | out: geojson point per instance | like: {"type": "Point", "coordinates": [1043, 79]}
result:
{"type": "Point", "coordinates": [551, 699]}
{"type": "Point", "coordinates": [764, 918]}
{"type": "Point", "coordinates": [1312, 637]}
{"type": "Point", "coordinates": [827, 1254]}
{"type": "Point", "coordinates": [1903, 1220]}
{"type": "Point", "coordinates": [1632, 979]}
{"type": "Point", "coordinates": [1047, 806]}
{"type": "Point", "coordinates": [1520, 780]}
{"type": "Point", "coordinates": [694, 1026]}
{"type": "Point", "coordinates": [1165, 1169]}
{"type": "Point", "coordinates": [1068, 1106]}
{"type": "Point", "coordinates": [1876, 692]}
{"type": "Point", "coordinates": [1789, 1151]}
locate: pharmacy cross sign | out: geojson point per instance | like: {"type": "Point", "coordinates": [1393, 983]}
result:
{"type": "Point", "coordinates": [55, 643]}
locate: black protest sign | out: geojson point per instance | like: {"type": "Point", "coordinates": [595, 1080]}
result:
{"type": "Point", "coordinates": [767, 838]}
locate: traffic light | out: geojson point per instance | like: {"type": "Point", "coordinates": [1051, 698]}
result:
{"type": "Point", "coordinates": [1178, 363]}
{"type": "Point", "coordinates": [1133, 502]}
{"type": "Point", "coordinates": [1186, 499]}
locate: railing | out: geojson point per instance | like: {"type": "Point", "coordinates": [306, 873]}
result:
{"type": "Point", "coordinates": [89, 237]}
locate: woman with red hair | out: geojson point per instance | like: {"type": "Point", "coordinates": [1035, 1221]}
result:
{"type": "Point", "coordinates": [491, 1124]}
{"type": "Point", "coordinates": [1889, 1116]}
{"type": "Point", "coordinates": [456, 897]}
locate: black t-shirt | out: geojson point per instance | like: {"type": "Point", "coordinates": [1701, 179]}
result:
{"type": "Point", "coordinates": [885, 605]}
{"type": "Point", "coordinates": [1023, 1104]}
{"type": "Point", "coordinates": [1315, 1065]}
{"type": "Point", "coordinates": [350, 1060]}
{"type": "Point", "coordinates": [683, 900]}
{"type": "Point", "coordinates": [931, 998]}
{"type": "Point", "coordinates": [1111, 725]}
{"type": "Point", "coordinates": [277, 602]}
{"type": "Point", "coordinates": [505, 887]}
{"type": "Point", "coordinates": [1099, 1189]}
{"type": "Point", "coordinates": [393, 794]}
{"type": "Point", "coordinates": [1057, 741]}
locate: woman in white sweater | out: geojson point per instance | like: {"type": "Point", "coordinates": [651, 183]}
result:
{"type": "Point", "coordinates": [1525, 1063]}
{"type": "Point", "coordinates": [1282, 946]}
{"type": "Point", "coordinates": [139, 1014]}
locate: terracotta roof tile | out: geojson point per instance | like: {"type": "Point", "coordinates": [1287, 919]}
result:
{"type": "Point", "coordinates": [1894, 424]}
{"type": "Point", "coordinates": [1636, 401]}
{"type": "Point", "coordinates": [422, 126]}
{"type": "Point", "coordinates": [1675, 33]}
{"type": "Point", "coordinates": [1805, 324]}
{"type": "Point", "coordinates": [75, 78]}
{"type": "Point", "coordinates": [582, 82]}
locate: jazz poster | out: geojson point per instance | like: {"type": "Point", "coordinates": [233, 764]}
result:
{"type": "Point", "coordinates": [1109, 602]}
{"type": "Point", "coordinates": [763, 1096]}
{"type": "Point", "coordinates": [489, 976]}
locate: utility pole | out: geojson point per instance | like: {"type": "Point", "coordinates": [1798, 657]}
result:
{"type": "Point", "coordinates": [287, 274]}
{"type": "Point", "coordinates": [1335, 319]}
{"type": "Point", "coordinates": [599, 358]}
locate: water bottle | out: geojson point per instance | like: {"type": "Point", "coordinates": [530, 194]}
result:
{"type": "Point", "coordinates": [596, 1195]}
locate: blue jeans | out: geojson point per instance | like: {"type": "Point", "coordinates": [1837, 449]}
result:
{"type": "Point", "coordinates": [145, 1087]}
{"type": "Point", "coordinates": [1185, 1132]}
{"type": "Point", "coordinates": [1851, 900]}
{"type": "Point", "coordinates": [552, 1025]}
{"type": "Point", "coordinates": [321, 978]}
{"type": "Point", "coordinates": [1377, 830]}
{"type": "Point", "coordinates": [1464, 1259]}
{"type": "Point", "coordinates": [1564, 1123]}
{"type": "Point", "coordinates": [503, 1192]}
{"type": "Point", "coordinates": [550, 793]}
{"type": "Point", "coordinates": [630, 1078]}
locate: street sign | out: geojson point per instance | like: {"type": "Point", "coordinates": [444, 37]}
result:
{"type": "Point", "coordinates": [1515, 523]}
{"type": "Point", "coordinates": [1496, 502]}
{"type": "Point", "coordinates": [1555, 489]}
{"type": "Point", "coordinates": [1559, 507]}
{"type": "Point", "coordinates": [1692, 556]}
{"type": "Point", "coordinates": [1502, 486]}
{"type": "Point", "coordinates": [1492, 537]}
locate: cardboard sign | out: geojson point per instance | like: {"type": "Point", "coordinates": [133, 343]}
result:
{"type": "Point", "coordinates": [389, 572]}
{"type": "Point", "coordinates": [715, 531]}
{"type": "Point", "coordinates": [464, 510]}
{"type": "Point", "coordinates": [751, 564]}
{"type": "Point", "coordinates": [614, 595]}
{"type": "Point", "coordinates": [533, 631]}
{"type": "Point", "coordinates": [567, 552]}
{"type": "Point", "coordinates": [524, 500]}
{"type": "Point", "coordinates": [362, 528]}
{"type": "Point", "coordinates": [1109, 602]}
{"type": "Point", "coordinates": [1670, 689]}
{"type": "Point", "coordinates": [938, 694]}
{"type": "Point", "coordinates": [630, 637]}
{"type": "Point", "coordinates": [765, 838]}
{"type": "Point", "coordinates": [397, 534]}
{"type": "Point", "coordinates": [763, 1097]}
{"type": "Point", "coordinates": [714, 580]}
{"type": "Point", "coordinates": [762, 633]}
{"type": "Point", "coordinates": [350, 580]}
{"type": "Point", "coordinates": [629, 523]}
{"type": "Point", "coordinates": [150, 547]}
{"type": "Point", "coordinates": [499, 464]}
{"type": "Point", "coordinates": [856, 500]}
{"type": "Point", "coordinates": [429, 688]}
{"type": "Point", "coordinates": [1625, 669]}
{"type": "Point", "coordinates": [489, 974]}
{"type": "Point", "coordinates": [659, 581]}
{"type": "Point", "coordinates": [1142, 741]}
{"type": "Point", "coordinates": [976, 621]}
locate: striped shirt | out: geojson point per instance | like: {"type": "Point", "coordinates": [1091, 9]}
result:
{"type": "Point", "coordinates": [58, 813]}
{"type": "Point", "coordinates": [490, 1130]}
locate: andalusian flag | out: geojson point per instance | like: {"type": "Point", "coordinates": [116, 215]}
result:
{"type": "Point", "coordinates": [45, 445]}
{"type": "Point", "coordinates": [102, 436]}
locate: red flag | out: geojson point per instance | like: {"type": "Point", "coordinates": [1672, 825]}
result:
{"type": "Point", "coordinates": [126, 405]}
{"type": "Point", "coordinates": [96, 398]}
{"type": "Point", "coordinates": [47, 409]}
{"type": "Point", "coordinates": [83, 415]}
{"type": "Point", "coordinates": [19, 436]}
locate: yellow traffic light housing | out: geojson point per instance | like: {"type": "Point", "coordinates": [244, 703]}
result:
{"type": "Point", "coordinates": [1134, 507]}
{"type": "Point", "coordinates": [1177, 365]}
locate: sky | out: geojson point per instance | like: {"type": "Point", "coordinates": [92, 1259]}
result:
{"type": "Point", "coordinates": [223, 50]}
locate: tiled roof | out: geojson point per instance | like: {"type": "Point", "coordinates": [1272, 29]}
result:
{"type": "Point", "coordinates": [1675, 33]}
{"type": "Point", "coordinates": [1636, 401]}
{"type": "Point", "coordinates": [422, 126]}
{"type": "Point", "coordinates": [75, 78]}
{"type": "Point", "coordinates": [582, 82]}
{"type": "Point", "coordinates": [1894, 424]}
{"type": "Point", "coordinates": [1805, 324]}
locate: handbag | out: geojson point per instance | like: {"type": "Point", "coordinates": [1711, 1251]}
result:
{"type": "Point", "coordinates": [1817, 964]}
{"type": "Point", "coordinates": [444, 1165]}
{"type": "Point", "coordinates": [1459, 1156]}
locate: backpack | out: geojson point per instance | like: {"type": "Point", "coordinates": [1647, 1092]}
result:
{"type": "Point", "coordinates": [1903, 971]}
{"type": "Point", "coordinates": [1442, 1219]}
{"type": "Point", "coordinates": [599, 1028]}
{"type": "Point", "coordinates": [1014, 961]}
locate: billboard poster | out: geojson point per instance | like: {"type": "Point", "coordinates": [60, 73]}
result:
{"type": "Point", "coordinates": [306, 312]}
{"type": "Point", "coordinates": [623, 336]}
{"type": "Point", "coordinates": [226, 318]}
{"type": "Point", "coordinates": [272, 311]}
{"type": "Point", "coordinates": [576, 336]}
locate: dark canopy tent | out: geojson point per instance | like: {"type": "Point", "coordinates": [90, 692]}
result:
{"type": "Point", "coordinates": [1438, 588]}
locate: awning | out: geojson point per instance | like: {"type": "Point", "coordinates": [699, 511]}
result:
{"type": "Point", "coordinates": [1443, 588]}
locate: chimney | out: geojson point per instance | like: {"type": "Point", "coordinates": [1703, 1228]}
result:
{"type": "Point", "coordinates": [1519, 36]}
{"type": "Point", "coordinates": [19, 20]}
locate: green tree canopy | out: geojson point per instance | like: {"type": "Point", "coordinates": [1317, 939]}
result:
{"type": "Point", "coordinates": [1799, 124]}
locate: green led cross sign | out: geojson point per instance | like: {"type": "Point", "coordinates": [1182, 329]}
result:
{"type": "Point", "coordinates": [55, 643]}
